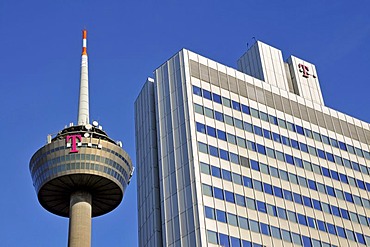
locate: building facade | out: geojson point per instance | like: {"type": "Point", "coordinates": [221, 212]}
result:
{"type": "Point", "coordinates": [248, 156]}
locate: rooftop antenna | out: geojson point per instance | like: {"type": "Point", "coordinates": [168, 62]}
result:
{"type": "Point", "coordinates": [83, 103]}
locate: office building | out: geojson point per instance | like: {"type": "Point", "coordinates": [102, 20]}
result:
{"type": "Point", "coordinates": [81, 172]}
{"type": "Point", "coordinates": [248, 156]}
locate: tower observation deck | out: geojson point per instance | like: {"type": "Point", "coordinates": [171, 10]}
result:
{"type": "Point", "coordinates": [81, 172]}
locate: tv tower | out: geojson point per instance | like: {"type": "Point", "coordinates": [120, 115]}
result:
{"type": "Point", "coordinates": [81, 172]}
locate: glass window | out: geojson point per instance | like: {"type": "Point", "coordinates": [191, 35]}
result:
{"type": "Point", "coordinates": [348, 197]}
{"type": "Point", "coordinates": [330, 190]}
{"type": "Point", "coordinates": [297, 198]}
{"type": "Point", "coordinates": [247, 182]}
{"type": "Point", "coordinates": [303, 147]}
{"type": "Point", "coordinates": [224, 240]}
{"type": "Point", "coordinates": [321, 225]}
{"type": "Point", "coordinates": [213, 151]}
{"type": "Point", "coordinates": [209, 212]}
{"type": "Point", "coordinates": [226, 175]}
{"type": "Point", "coordinates": [232, 220]}
{"type": "Point", "coordinates": [335, 211]}
{"type": "Point", "coordinates": [275, 232]}
{"type": "Point", "coordinates": [264, 116]}
{"type": "Point", "coordinates": [237, 178]}
{"type": "Point", "coordinates": [257, 185]}
{"type": "Point", "coordinates": [197, 91]}
{"type": "Point", "coordinates": [219, 116]}
{"type": "Point", "coordinates": [270, 152]}
{"type": "Point", "coordinates": [254, 165]}
{"type": "Point", "coordinates": [267, 134]}
{"type": "Point", "coordinates": [302, 181]}
{"type": "Point", "coordinates": [216, 98]}
{"type": "Point", "coordinates": [296, 238]}
{"type": "Point", "coordinates": [325, 207]}
{"type": "Point", "coordinates": [308, 133]}
{"type": "Point", "coordinates": [307, 201]}
{"type": "Point", "coordinates": [202, 148]}
{"type": "Point", "coordinates": [307, 242]}
{"type": "Point", "coordinates": [201, 128]}
{"type": "Point", "coordinates": [240, 200]}
{"type": "Point", "coordinates": [267, 188]}
{"type": "Point", "coordinates": [264, 168]}
{"type": "Point", "coordinates": [334, 143]}
{"type": "Point", "coordinates": [235, 242]}
{"type": "Point", "coordinates": [283, 175]}
{"type": "Point", "coordinates": [205, 168]}
{"type": "Point", "coordinates": [363, 220]}
{"type": "Point", "coordinates": [208, 112]}
{"type": "Point", "coordinates": [241, 142]}
{"type": "Point", "coordinates": [229, 196]}
{"type": "Point", "coordinates": [294, 144]}
{"type": "Point", "coordinates": [221, 216]}
{"type": "Point", "coordinates": [212, 237]}
{"type": "Point", "coordinates": [344, 213]}
{"type": "Point", "coordinates": [254, 226]}
{"type": "Point", "coordinates": [316, 204]}
{"type": "Point", "coordinates": [238, 123]}
{"type": "Point", "coordinates": [246, 243]}
{"type": "Point", "coordinates": [299, 130]}
{"type": "Point", "coordinates": [288, 195]}
{"type": "Point", "coordinates": [229, 120]}
{"type": "Point", "coordinates": [261, 149]}
{"type": "Point", "coordinates": [334, 175]}
{"type": "Point", "coordinates": [291, 216]}
{"type": "Point", "coordinates": [271, 210]}
{"type": "Point", "coordinates": [281, 213]}
{"type": "Point", "coordinates": [325, 139]}
{"type": "Point", "coordinates": [316, 136]}
{"type": "Point", "coordinates": [261, 206]}
{"type": "Point", "coordinates": [274, 172]}
{"type": "Point", "coordinates": [282, 123]}
{"type": "Point", "coordinates": [248, 127]}
{"type": "Point", "coordinates": [216, 172]}
{"type": "Point", "coordinates": [331, 228]}
{"type": "Point", "coordinates": [265, 229]}
{"type": "Point", "coordinates": [236, 105]}
{"type": "Point", "coordinates": [273, 120]}
{"type": "Point", "coordinates": [218, 193]}
{"type": "Point", "coordinates": [302, 219]}
{"type": "Point", "coordinates": [251, 146]}
{"type": "Point", "coordinates": [211, 131]}
{"type": "Point", "coordinates": [312, 184]}
{"type": "Point", "coordinates": [290, 126]}
{"type": "Point", "coordinates": [311, 222]}
{"type": "Point", "coordinates": [207, 190]}
{"type": "Point", "coordinates": [254, 112]}
{"type": "Point", "coordinates": [207, 94]}
{"type": "Point", "coordinates": [280, 156]}
{"type": "Point", "coordinates": [243, 223]}
{"type": "Point", "coordinates": [360, 238]}
{"type": "Point", "coordinates": [245, 109]}
{"type": "Point", "coordinates": [278, 192]}
{"type": "Point", "coordinates": [224, 154]}
{"type": "Point", "coordinates": [250, 203]}
{"type": "Point", "coordinates": [293, 178]}
{"type": "Point", "coordinates": [353, 217]}
{"type": "Point", "coordinates": [226, 102]}
{"type": "Point", "coordinates": [285, 140]}
{"type": "Point", "coordinates": [221, 135]}
{"type": "Point", "coordinates": [321, 188]}
{"type": "Point", "coordinates": [257, 130]}
{"type": "Point", "coordinates": [286, 236]}
{"type": "Point", "coordinates": [276, 137]}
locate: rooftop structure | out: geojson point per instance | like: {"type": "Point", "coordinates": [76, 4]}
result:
{"type": "Point", "coordinates": [81, 172]}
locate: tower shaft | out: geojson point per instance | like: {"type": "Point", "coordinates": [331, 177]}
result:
{"type": "Point", "coordinates": [83, 104]}
{"type": "Point", "coordinates": [80, 220]}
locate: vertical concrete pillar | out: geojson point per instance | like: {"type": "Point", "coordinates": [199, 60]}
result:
{"type": "Point", "coordinates": [80, 220]}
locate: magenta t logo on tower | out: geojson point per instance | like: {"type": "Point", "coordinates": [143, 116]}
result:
{"type": "Point", "coordinates": [304, 69]}
{"type": "Point", "coordinates": [74, 142]}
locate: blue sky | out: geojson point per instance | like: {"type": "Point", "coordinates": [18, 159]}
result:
{"type": "Point", "coordinates": [40, 47]}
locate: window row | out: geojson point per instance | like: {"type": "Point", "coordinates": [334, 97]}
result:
{"type": "Point", "coordinates": [222, 135]}
{"type": "Point", "coordinates": [241, 160]}
{"type": "Point", "coordinates": [258, 227]}
{"type": "Point", "coordinates": [280, 122]}
{"type": "Point", "coordinates": [281, 213]}
{"type": "Point", "coordinates": [281, 139]}
{"type": "Point", "coordinates": [228, 241]}
{"type": "Point", "coordinates": [278, 192]}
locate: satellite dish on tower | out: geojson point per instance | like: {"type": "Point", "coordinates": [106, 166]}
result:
{"type": "Point", "coordinates": [95, 123]}
{"type": "Point", "coordinates": [88, 126]}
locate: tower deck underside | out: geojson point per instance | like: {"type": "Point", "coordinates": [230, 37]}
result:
{"type": "Point", "coordinates": [99, 167]}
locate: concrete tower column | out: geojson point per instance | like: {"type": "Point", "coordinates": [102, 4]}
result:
{"type": "Point", "coordinates": [80, 220]}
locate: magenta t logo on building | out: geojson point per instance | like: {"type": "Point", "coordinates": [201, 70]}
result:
{"type": "Point", "coordinates": [304, 69]}
{"type": "Point", "coordinates": [74, 142]}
